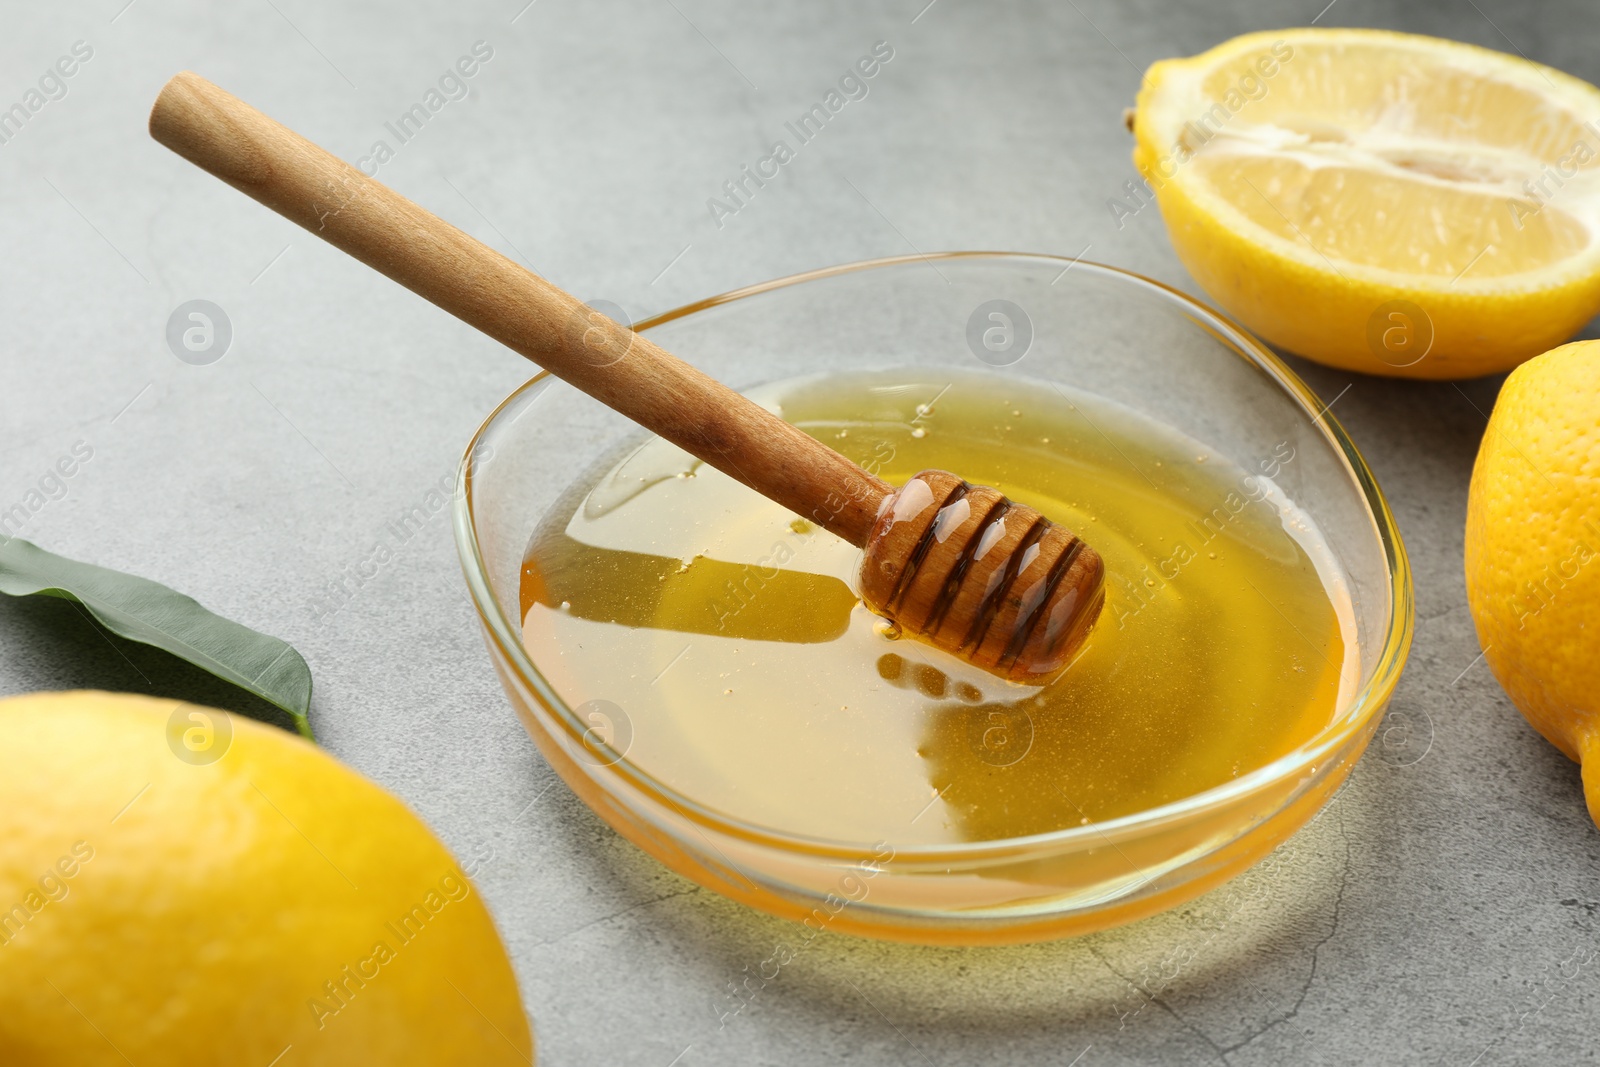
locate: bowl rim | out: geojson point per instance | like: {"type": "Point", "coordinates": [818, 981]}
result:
{"type": "Point", "coordinates": [1318, 750]}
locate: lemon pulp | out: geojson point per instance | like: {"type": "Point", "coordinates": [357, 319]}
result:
{"type": "Point", "coordinates": [715, 638]}
{"type": "Point", "coordinates": [1372, 155]}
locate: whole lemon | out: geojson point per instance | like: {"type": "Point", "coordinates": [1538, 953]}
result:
{"type": "Point", "coordinates": [182, 886]}
{"type": "Point", "coordinates": [1533, 549]}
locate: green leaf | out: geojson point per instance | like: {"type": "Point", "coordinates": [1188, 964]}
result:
{"type": "Point", "coordinates": [152, 614]}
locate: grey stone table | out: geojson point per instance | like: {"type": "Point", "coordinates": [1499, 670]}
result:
{"type": "Point", "coordinates": [1442, 909]}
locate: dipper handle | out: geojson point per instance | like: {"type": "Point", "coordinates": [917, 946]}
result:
{"type": "Point", "coordinates": [622, 369]}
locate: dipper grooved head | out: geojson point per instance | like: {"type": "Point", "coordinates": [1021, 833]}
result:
{"type": "Point", "coordinates": [982, 577]}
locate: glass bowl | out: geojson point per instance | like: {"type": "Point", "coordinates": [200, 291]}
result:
{"type": "Point", "coordinates": [1095, 328]}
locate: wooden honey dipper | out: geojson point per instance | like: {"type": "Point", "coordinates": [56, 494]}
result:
{"type": "Point", "coordinates": [958, 565]}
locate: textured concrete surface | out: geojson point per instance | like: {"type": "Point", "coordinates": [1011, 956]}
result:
{"type": "Point", "coordinates": [1442, 909]}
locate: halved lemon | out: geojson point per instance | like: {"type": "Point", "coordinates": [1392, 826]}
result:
{"type": "Point", "coordinates": [1383, 202]}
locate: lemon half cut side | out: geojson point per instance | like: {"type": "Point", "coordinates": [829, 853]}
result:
{"type": "Point", "coordinates": [1381, 202]}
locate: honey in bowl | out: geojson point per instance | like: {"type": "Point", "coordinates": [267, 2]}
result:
{"type": "Point", "coordinates": [717, 640]}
